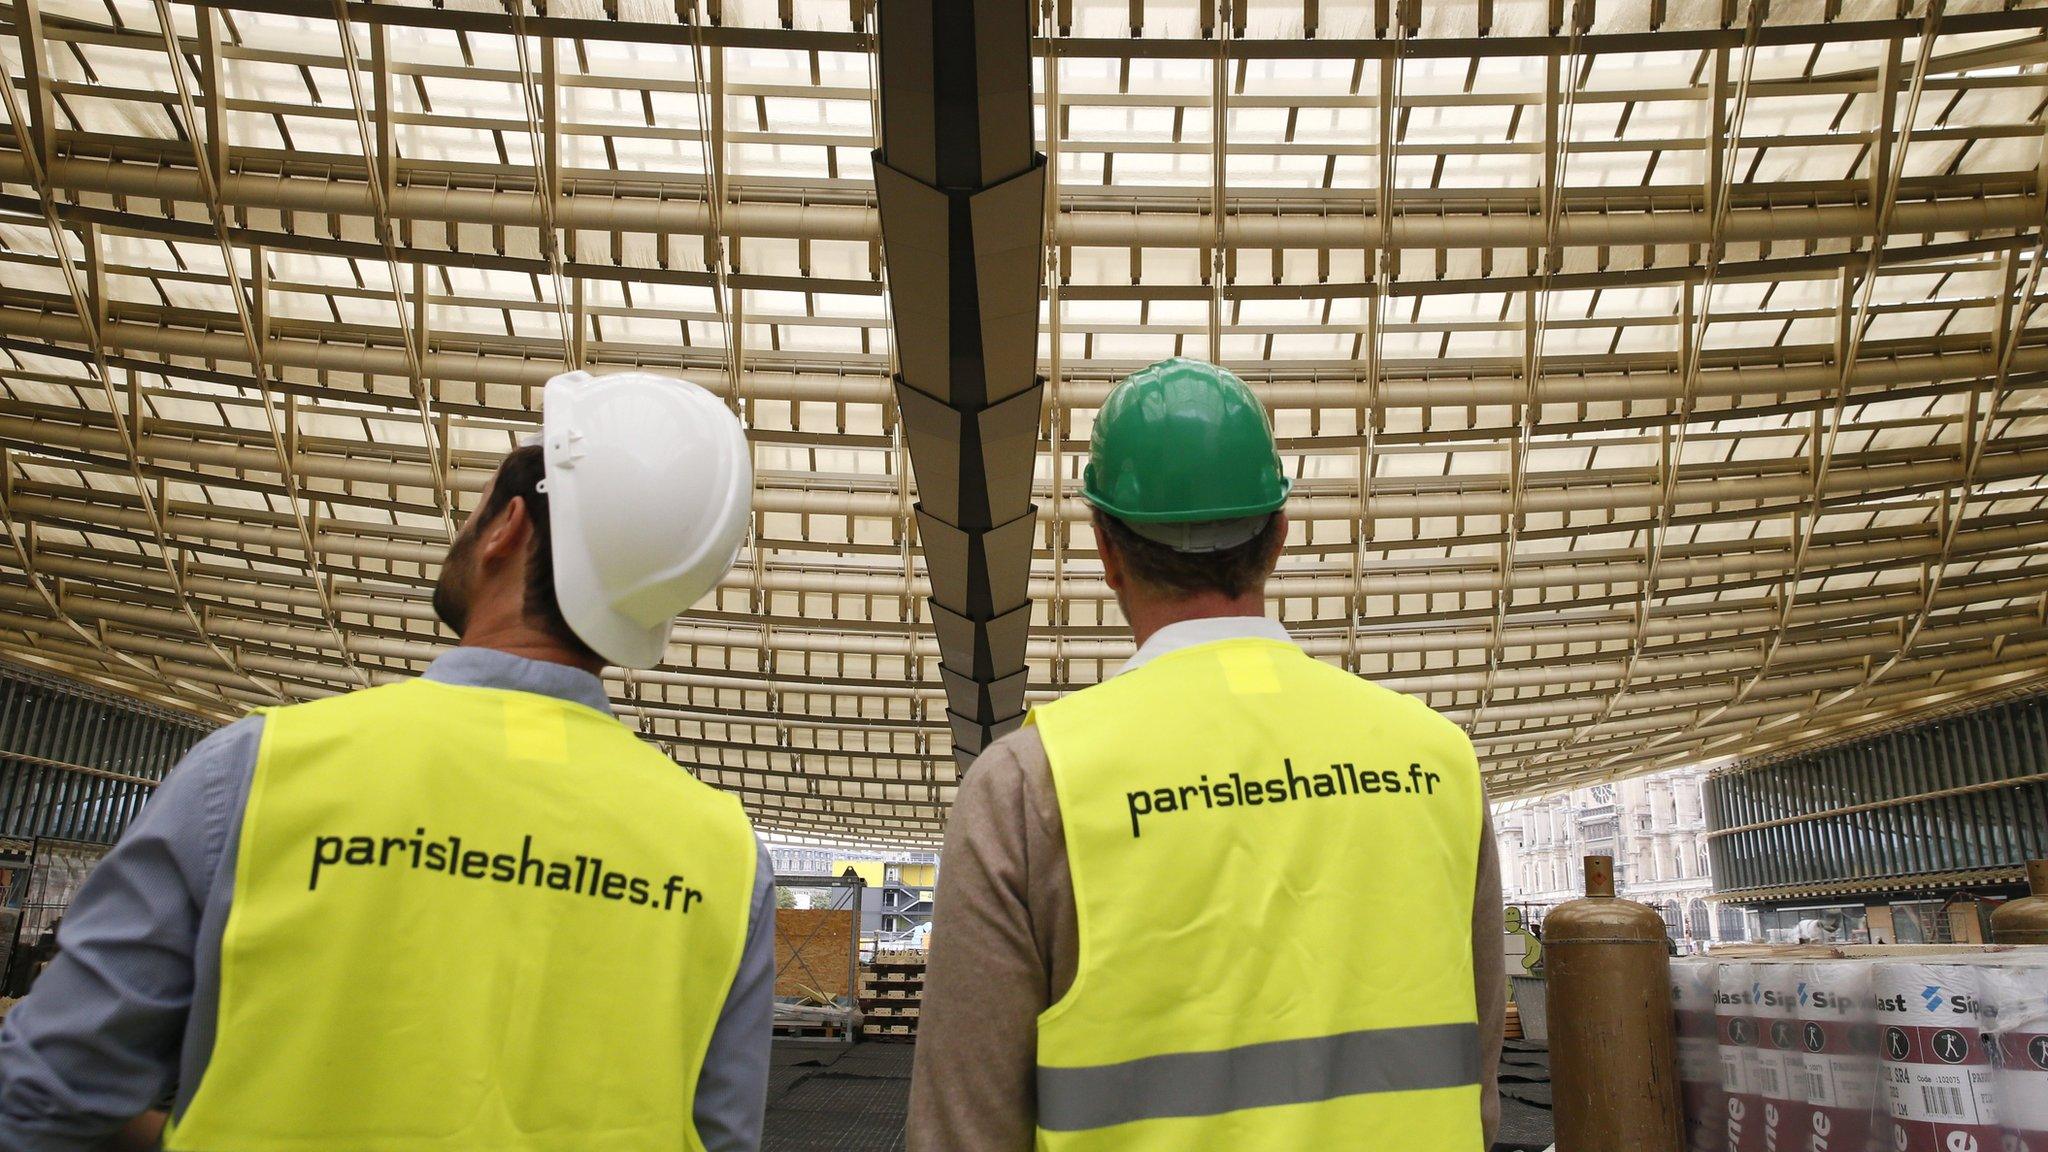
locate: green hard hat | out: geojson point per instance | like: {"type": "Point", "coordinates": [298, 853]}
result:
{"type": "Point", "coordinates": [1183, 441]}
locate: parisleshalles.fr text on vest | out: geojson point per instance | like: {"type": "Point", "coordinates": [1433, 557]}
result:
{"type": "Point", "coordinates": [577, 875]}
{"type": "Point", "coordinates": [1237, 792]}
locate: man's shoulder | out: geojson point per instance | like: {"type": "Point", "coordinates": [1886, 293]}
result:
{"type": "Point", "coordinates": [228, 737]}
{"type": "Point", "coordinates": [1019, 752]}
{"type": "Point", "coordinates": [1010, 778]}
{"type": "Point", "coordinates": [222, 756]}
{"type": "Point", "coordinates": [381, 696]}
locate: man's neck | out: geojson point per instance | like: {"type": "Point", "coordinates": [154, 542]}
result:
{"type": "Point", "coordinates": [1149, 616]}
{"type": "Point", "coordinates": [528, 643]}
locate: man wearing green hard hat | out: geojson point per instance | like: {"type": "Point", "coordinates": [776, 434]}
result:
{"type": "Point", "coordinates": [1231, 897]}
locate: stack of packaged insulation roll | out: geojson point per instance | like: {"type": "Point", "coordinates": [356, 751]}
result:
{"type": "Point", "coordinates": [2015, 1000]}
{"type": "Point", "coordinates": [1837, 1055]}
{"type": "Point", "coordinates": [1942, 1054]}
{"type": "Point", "coordinates": [1753, 1019]}
{"type": "Point", "coordinates": [1940, 1088]}
{"type": "Point", "coordinates": [1693, 985]}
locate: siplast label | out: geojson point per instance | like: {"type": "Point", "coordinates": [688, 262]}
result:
{"type": "Point", "coordinates": [1838, 1058]}
{"type": "Point", "coordinates": [1937, 1070]}
{"type": "Point", "coordinates": [1779, 1055]}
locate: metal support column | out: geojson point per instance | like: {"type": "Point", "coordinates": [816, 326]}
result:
{"type": "Point", "coordinates": [962, 203]}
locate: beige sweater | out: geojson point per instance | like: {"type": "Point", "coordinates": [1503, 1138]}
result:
{"type": "Point", "coordinates": [1005, 943]}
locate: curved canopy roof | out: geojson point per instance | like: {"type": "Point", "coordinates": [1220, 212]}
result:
{"type": "Point", "coordinates": [1661, 378]}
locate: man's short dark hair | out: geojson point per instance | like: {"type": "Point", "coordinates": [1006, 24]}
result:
{"type": "Point", "coordinates": [520, 475]}
{"type": "Point", "coordinates": [1233, 571]}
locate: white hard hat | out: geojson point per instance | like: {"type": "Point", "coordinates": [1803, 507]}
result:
{"type": "Point", "coordinates": [650, 489]}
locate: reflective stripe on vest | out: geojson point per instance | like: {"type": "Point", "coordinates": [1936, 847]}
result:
{"type": "Point", "coordinates": [1258, 1076]}
{"type": "Point", "coordinates": [1273, 866]}
{"type": "Point", "coordinates": [469, 919]}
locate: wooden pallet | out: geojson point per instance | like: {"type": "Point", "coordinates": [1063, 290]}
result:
{"type": "Point", "coordinates": [892, 995]}
{"type": "Point", "coordinates": [811, 1031]}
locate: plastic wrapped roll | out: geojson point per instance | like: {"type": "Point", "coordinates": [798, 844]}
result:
{"type": "Point", "coordinates": [1774, 993]}
{"type": "Point", "coordinates": [1735, 1033]}
{"type": "Point", "coordinates": [2015, 1010]}
{"type": "Point", "coordinates": [1699, 1056]}
{"type": "Point", "coordinates": [1939, 1082]}
{"type": "Point", "coordinates": [1838, 1056]}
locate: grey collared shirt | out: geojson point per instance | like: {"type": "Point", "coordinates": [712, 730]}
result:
{"type": "Point", "coordinates": [1205, 630]}
{"type": "Point", "coordinates": [123, 1019]}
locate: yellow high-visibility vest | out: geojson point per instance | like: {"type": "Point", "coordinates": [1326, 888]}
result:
{"type": "Point", "coordinates": [1273, 866]}
{"type": "Point", "coordinates": [469, 919]}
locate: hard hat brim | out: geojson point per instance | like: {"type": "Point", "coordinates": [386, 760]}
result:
{"type": "Point", "coordinates": [1188, 515]}
{"type": "Point", "coordinates": [1201, 537]}
{"type": "Point", "coordinates": [579, 593]}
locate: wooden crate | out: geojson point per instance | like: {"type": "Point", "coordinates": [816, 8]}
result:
{"type": "Point", "coordinates": [813, 953]}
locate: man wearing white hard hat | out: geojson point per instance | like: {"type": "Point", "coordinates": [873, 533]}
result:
{"type": "Point", "coordinates": [467, 911]}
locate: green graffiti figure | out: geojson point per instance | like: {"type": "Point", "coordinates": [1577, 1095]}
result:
{"type": "Point", "coordinates": [1532, 944]}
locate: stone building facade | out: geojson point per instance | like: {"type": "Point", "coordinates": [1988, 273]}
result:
{"type": "Point", "coordinates": [1655, 828]}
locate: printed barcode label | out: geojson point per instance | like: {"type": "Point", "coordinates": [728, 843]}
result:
{"type": "Point", "coordinates": [1767, 1080]}
{"type": "Point", "coordinates": [1809, 1083]}
{"type": "Point", "coordinates": [1942, 1101]}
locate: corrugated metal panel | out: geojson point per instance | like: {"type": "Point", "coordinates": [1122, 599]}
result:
{"type": "Point", "coordinates": [1965, 794]}
{"type": "Point", "coordinates": [77, 763]}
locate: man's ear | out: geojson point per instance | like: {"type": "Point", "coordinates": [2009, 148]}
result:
{"type": "Point", "coordinates": [507, 535]}
{"type": "Point", "coordinates": [1112, 560]}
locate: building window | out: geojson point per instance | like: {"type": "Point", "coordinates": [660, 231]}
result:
{"type": "Point", "coordinates": [1920, 922]}
{"type": "Point", "coordinates": [1674, 927]}
{"type": "Point", "coordinates": [1698, 924]}
{"type": "Point", "coordinates": [1732, 926]}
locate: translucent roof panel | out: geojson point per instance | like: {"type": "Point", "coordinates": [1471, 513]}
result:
{"type": "Point", "coordinates": [1661, 385]}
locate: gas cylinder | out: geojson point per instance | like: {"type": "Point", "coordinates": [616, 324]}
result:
{"type": "Point", "coordinates": [2025, 921]}
{"type": "Point", "coordinates": [1613, 1062]}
